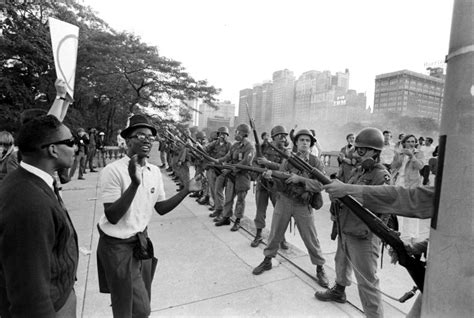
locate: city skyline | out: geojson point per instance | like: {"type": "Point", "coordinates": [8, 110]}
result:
{"type": "Point", "coordinates": [235, 45]}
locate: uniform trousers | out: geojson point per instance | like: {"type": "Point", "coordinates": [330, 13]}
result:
{"type": "Point", "coordinates": [127, 279]}
{"type": "Point", "coordinates": [363, 254]}
{"type": "Point", "coordinates": [286, 208]}
{"type": "Point", "coordinates": [219, 192]}
{"type": "Point", "coordinates": [230, 194]}
{"type": "Point", "coordinates": [262, 194]}
{"type": "Point", "coordinates": [211, 179]}
{"type": "Point", "coordinates": [79, 161]}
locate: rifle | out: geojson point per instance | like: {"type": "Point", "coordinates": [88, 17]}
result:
{"type": "Point", "coordinates": [258, 147]}
{"type": "Point", "coordinates": [275, 173]}
{"type": "Point", "coordinates": [415, 268]}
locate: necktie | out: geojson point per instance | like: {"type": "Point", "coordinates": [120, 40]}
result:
{"type": "Point", "coordinates": [58, 196]}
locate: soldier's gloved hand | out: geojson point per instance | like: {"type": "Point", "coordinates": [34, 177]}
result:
{"type": "Point", "coordinates": [179, 163]}
{"type": "Point", "coordinates": [336, 189]}
{"type": "Point", "coordinates": [194, 184]}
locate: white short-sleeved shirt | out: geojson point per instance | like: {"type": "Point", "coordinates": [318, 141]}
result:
{"type": "Point", "coordinates": [114, 180]}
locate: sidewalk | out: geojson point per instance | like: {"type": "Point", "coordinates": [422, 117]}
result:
{"type": "Point", "coordinates": [205, 270]}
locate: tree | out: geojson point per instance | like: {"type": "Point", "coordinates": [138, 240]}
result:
{"type": "Point", "coordinates": [116, 72]}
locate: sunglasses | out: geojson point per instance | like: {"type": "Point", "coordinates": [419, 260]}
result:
{"type": "Point", "coordinates": [68, 142]}
{"type": "Point", "coordinates": [143, 137]}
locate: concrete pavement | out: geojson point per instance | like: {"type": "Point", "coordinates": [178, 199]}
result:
{"type": "Point", "coordinates": [205, 270]}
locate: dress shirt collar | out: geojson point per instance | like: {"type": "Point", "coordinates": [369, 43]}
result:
{"type": "Point", "coordinates": [46, 177]}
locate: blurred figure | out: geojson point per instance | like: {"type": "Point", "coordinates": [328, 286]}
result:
{"type": "Point", "coordinates": [388, 150]}
{"type": "Point", "coordinates": [81, 141]}
{"type": "Point", "coordinates": [102, 154]}
{"type": "Point", "coordinates": [121, 143]}
{"type": "Point", "coordinates": [427, 149]}
{"type": "Point", "coordinates": [91, 149]}
{"type": "Point", "coordinates": [398, 145]}
{"type": "Point", "coordinates": [346, 159]}
{"type": "Point", "coordinates": [6, 150]}
{"type": "Point", "coordinates": [407, 163]}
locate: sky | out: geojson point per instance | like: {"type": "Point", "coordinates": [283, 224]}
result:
{"type": "Point", "coordinates": [235, 44]}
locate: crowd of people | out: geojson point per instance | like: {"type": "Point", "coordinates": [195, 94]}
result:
{"type": "Point", "coordinates": [39, 245]}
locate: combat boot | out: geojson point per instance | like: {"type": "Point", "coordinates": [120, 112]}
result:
{"type": "Point", "coordinates": [336, 294]}
{"type": "Point", "coordinates": [258, 238]}
{"type": "Point", "coordinates": [195, 194]}
{"type": "Point", "coordinates": [224, 221]}
{"type": "Point", "coordinates": [212, 208]}
{"type": "Point", "coordinates": [266, 265]}
{"type": "Point", "coordinates": [214, 214]}
{"type": "Point", "coordinates": [236, 225]}
{"type": "Point", "coordinates": [204, 200]}
{"type": "Point", "coordinates": [321, 277]}
{"type": "Point", "coordinates": [284, 245]}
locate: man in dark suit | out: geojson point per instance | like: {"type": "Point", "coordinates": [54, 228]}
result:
{"type": "Point", "coordinates": [38, 243]}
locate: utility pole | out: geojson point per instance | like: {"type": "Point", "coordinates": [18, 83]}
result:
{"type": "Point", "coordinates": [449, 281]}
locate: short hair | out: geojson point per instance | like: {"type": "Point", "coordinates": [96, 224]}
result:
{"type": "Point", "coordinates": [36, 132]}
{"type": "Point", "coordinates": [401, 135]}
{"type": "Point", "coordinates": [407, 137]}
{"type": "Point", "coordinates": [31, 113]}
{"type": "Point", "coordinates": [263, 134]}
{"type": "Point", "coordinates": [349, 135]}
{"type": "Point", "coordinates": [6, 137]}
{"type": "Point", "coordinates": [429, 139]}
{"type": "Point", "coordinates": [386, 132]}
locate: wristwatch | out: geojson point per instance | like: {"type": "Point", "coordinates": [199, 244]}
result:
{"type": "Point", "coordinates": [60, 97]}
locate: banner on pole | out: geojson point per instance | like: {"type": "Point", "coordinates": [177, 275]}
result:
{"type": "Point", "coordinates": [64, 41]}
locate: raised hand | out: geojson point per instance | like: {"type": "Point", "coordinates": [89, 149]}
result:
{"type": "Point", "coordinates": [132, 170]}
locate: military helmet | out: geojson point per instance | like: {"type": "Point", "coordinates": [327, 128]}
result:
{"type": "Point", "coordinates": [278, 130]}
{"type": "Point", "coordinates": [369, 138]}
{"type": "Point", "coordinates": [305, 132]}
{"type": "Point", "coordinates": [223, 130]}
{"type": "Point", "coordinates": [244, 128]}
{"type": "Point", "coordinates": [201, 135]}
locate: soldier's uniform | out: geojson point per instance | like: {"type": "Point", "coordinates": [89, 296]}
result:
{"type": "Point", "coordinates": [217, 181]}
{"type": "Point", "coordinates": [294, 201]}
{"type": "Point", "coordinates": [240, 153]}
{"type": "Point", "coordinates": [263, 190]}
{"type": "Point", "coordinates": [357, 246]}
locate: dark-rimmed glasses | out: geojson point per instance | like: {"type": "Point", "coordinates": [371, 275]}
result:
{"type": "Point", "coordinates": [143, 137]}
{"type": "Point", "coordinates": [68, 142]}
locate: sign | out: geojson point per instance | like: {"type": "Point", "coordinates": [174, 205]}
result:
{"type": "Point", "coordinates": [64, 41]}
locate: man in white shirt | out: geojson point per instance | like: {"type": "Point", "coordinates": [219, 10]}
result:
{"type": "Point", "coordinates": [427, 150]}
{"type": "Point", "coordinates": [388, 150]}
{"type": "Point", "coordinates": [131, 190]}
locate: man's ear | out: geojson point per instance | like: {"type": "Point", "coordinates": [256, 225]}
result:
{"type": "Point", "coordinates": [53, 151]}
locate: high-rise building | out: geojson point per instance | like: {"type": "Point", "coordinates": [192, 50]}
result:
{"type": "Point", "coordinates": [267, 103]}
{"type": "Point", "coordinates": [409, 94]}
{"type": "Point", "coordinates": [245, 100]}
{"type": "Point", "coordinates": [283, 98]}
{"type": "Point", "coordinates": [224, 113]}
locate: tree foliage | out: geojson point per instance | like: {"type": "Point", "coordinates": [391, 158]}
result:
{"type": "Point", "coordinates": [116, 74]}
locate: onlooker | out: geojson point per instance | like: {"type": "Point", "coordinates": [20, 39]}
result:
{"type": "Point", "coordinates": [407, 164]}
{"type": "Point", "coordinates": [102, 154]}
{"type": "Point", "coordinates": [131, 189]}
{"type": "Point", "coordinates": [388, 150]}
{"type": "Point", "coordinates": [399, 145]}
{"type": "Point", "coordinates": [91, 149]}
{"type": "Point", "coordinates": [421, 142]}
{"type": "Point", "coordinates": [427, 149]}
{"type": "Point", "coordinates": [121, 143]}
{"type": "Point", "coordinates": [6, 150]}
{"type": "Point", "coordinates": [81, 141]}
{"type": "Point", "coordinates": [38, 243]}
{"type": "Point", "coordinates": [346, 160]}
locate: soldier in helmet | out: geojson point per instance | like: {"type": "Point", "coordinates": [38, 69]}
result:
{"type": "Point", "coordinates": [218, 149]}
{"type": "Point", "coordinates": [210, 173]}
{"type": "Point", "coordinates": [242, 152]}
{"type": "Point", "coordinates": [298, 195]}
{"type": "Point", "coordinates": [357, 246]}
{"type": "Point", "coordinates": [271, 160]}
{"type": "Point", "coordinates": [203, 196]}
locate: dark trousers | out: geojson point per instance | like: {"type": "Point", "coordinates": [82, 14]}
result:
{"type": "Point", "coordinates": [425, 173]}
{"type": "Point", "coordinates": [90, 158]}
{"type": "Point", "coordinates": [79, 160]}
{"type": "Point", "coordinates": [127, 279]}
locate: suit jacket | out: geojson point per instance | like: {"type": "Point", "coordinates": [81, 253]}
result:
{"type": "Point", "coordinates": [38, 248]}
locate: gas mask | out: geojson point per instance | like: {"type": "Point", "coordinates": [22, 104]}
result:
{"type": "Point", "coordinates": [366, 163]}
